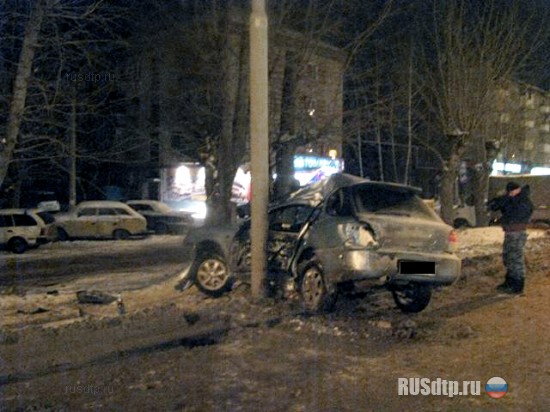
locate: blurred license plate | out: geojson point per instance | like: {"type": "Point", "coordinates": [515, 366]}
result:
{"type": "Point", "coordinates": [416, 268]}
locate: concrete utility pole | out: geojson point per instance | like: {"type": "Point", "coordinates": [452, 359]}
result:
{"type": "Point", "coordinates": [259, 145]}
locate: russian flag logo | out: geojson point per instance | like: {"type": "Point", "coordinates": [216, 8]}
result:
{"type": "Point", "coordinates": [496, 387]}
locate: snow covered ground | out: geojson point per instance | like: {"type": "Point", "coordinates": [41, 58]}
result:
{"type": "Point", "coordinates": [93, 247]}
{"type": "Point", "coordinates": [272, 355]}
{"type": "Point", "coordinates": [486, 240]}
{"type": "Point", "coordinates": [41, 306]}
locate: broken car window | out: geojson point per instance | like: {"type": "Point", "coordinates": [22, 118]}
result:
{"type": "Point", "coordinates": [392, 201]}
{"type": "Point", "coordinates": [289, 219]}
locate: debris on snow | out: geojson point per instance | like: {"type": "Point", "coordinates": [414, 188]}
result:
{"type": "Point", "coordinates": [406, 329]}
{"type": "Point", "coordinates": [94, 297]}
{"type": "Point", "coordinates": [33, 311]}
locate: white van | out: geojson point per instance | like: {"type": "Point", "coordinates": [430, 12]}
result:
{"type": "Point", "coordinates": [464, 216]}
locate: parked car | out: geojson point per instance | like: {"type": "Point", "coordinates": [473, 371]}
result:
{"type": "Point", "coordinates": [24, 228]}
{"type": "Point", "coordinates": [41, 199]}
{"type": "Point", "coordinates": [330, 235]}
{"type": "Point", "coordinates": [101, 219]}
{"type": "Point", "coordinates": [161, 218]}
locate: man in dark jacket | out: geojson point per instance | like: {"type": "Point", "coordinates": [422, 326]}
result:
{"type": "Point", "coordinates": [516, 209]}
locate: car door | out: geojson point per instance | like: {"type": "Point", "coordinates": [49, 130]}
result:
{"type": "Point", "coordinates": [84, 225]}
{"type": "Point", "coordinates": [26, 226]}
{"type": "Point", "coordinates": [129, 220]}
{"type": "Point", "coordinates": [107, 220]}
{"type": "Point", "coordinates": [6, 228]}
{"type": "Point", "coordinates": [147, 211]}
{"type": "Point", "coordinates": [330, 233]}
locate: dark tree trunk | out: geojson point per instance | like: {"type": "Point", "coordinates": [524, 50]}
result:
{"type": "Point", "coordinates": [284, 184]}
{"type": "Point", "coordinates": [234, 130]}
{"type": "Point", "coordinates": [448, 186]}
{"type": "Point", "coordinates": [481, 188]}
{"type": "Point", "coordinates": [22, 78]}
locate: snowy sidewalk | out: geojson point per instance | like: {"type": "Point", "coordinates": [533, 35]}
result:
{"type": "Point", "coordinates": [157, 317]}
{"type": "Point", "coordinates": [484, 241]}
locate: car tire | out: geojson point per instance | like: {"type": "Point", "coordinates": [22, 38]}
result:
{"type": "Point", "coordinates": [461, 223]}
{"type": "Point", "coordinates": [62, 235]}
{"type": "Point", "coordinates": [18, 245]}
{"type": "Point", "coordinates": [211, 275]}
{"type": "Point", "coordinates": [412, 298]}
{"type": "Point", "coordinates": [313, 290]}
{"type": "Point", "coordinates": [161, 229]}
{"type": "Point", "coordinates": [121, 234]}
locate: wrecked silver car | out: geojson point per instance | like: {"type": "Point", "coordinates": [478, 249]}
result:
{"type": "Point", "coordinates": [332, 234]}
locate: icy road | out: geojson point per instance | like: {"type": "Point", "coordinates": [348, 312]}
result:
{"type": "Point", "coordinates": [106, 265]}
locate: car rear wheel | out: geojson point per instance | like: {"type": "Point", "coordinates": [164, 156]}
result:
{"type": "Point", "coordinates": [212, 275]}
{"type": "Point", "coordinates": [62, 235]}
{"type": "Point", "coordinates": [161, 229]}
{"type": "Point", "coordinates": [315, 296]}
{"type": "Point", "coordinates": [121, 234]}
{"type": "Point", "coordinates": [461, 223]}
{"type": "Point", "coordinates": [18, 245]}
{"type": "Point", "coordinates": [412, 298]}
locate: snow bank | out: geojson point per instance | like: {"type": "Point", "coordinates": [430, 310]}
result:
{"type": "Point", "coordinates": [486, 240]}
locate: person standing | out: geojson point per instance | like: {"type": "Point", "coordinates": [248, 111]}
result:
{"type": "Point", "coordinates": [516, 209]}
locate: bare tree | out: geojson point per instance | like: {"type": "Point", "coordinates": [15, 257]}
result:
{"type": "Point", "coordinates": [474, 49]}
{"type": "Point", "coordinates": [381, 94]}
{"type": "Point", "coordinates": [209, 95]}
{"type": "Point", "coordinates": [71, 90]}
{"type": "Point", "coordinates": [22, 78]}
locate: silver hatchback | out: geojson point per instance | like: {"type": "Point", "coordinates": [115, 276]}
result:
{"type": "Point", "coordinates": [333, 234]}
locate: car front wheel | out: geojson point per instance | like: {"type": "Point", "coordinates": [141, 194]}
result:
{"type": "Point", "coordinates": [121, 234]}
{"type": "Point", "coordinates": [212, 275]}
{"type": "Point", "coordinates": [161, 229]}
{"type": "Point", "coordinates": [315, 296]}
{"type": "Point", "coordinates": [18, 245]}
{"type": "Point", "coordinates": [62, 235]}
{"type": "Point", "coordinates": [412, 298]}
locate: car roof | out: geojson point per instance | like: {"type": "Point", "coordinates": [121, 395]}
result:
{"type": "Point", "coordinates": [101, 203]}
{"type": "Point", "coordinates": [317, 192]}
{"type": "Point", "coordinates": [15, 210]}
{"type": "Point", "coordinates": [143, 201]}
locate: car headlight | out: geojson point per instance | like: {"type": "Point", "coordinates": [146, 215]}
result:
{"type": "Point", "coordinates": [360, 236]}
